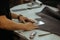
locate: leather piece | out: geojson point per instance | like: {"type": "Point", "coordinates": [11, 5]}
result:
{"type": "Point", "coordinates": [51, 24]}
{"type": "Point", "coordinates": [50, 12]}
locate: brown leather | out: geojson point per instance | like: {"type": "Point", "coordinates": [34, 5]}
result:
{"type": "Point", "coordinates": [51, 24]}
{"type": "Point", "coordinates": [51, 12]}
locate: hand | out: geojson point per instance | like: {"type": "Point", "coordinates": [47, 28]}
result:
{"type": "Point", "coordinates": [30, 26]}
{"type": "Point", "coordinates": [25, 19]}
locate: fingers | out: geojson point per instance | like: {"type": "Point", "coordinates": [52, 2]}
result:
{"type": "Point", "coordinates": [31, 26]}
{"type": "Point", "coordinates": [23, 21]}
{"type": "Point", "coordinates": [30, 20]}
{"type": "Point", "coordinates": [35, 26]}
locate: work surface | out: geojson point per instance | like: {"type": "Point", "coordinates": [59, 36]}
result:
{"type": "Point", "coordinates": [32, 14]}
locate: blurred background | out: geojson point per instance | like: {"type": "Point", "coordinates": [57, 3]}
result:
{"type": "Point", "coordinates": [53, 3]}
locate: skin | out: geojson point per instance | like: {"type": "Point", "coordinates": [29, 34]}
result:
{"type": "Point", "coordinates": [8, 24]}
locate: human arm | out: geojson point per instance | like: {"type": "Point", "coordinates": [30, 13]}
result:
{"type": "Point", "coordinates": [21, 18]}
{"type": "Point", "coordinates": [10, 25]}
